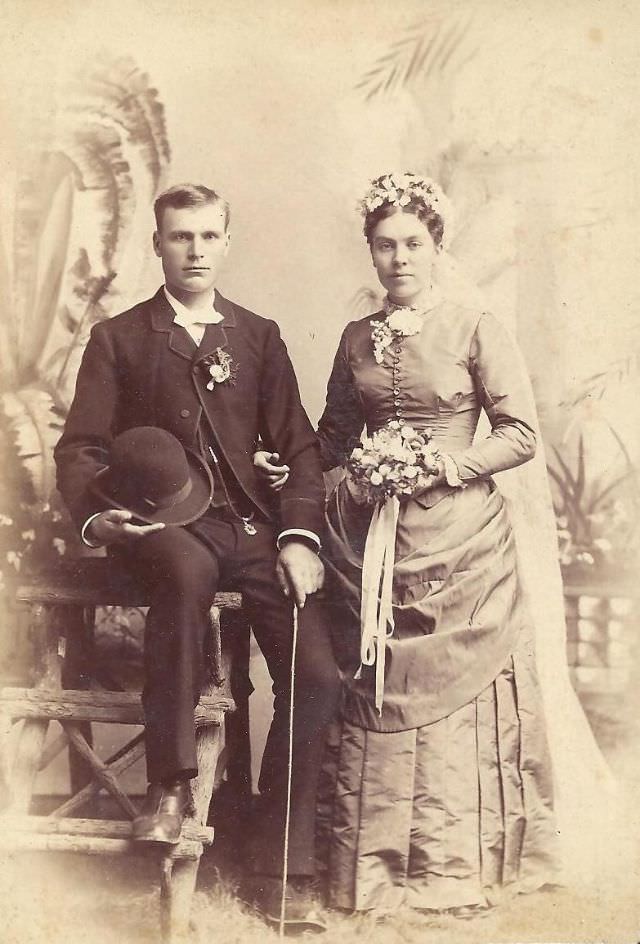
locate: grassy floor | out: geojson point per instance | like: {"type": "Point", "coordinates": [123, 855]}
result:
{"type": "Point", "coordinates": [75, 899]}
{"type": "Point", "coordinates": [62, 899]}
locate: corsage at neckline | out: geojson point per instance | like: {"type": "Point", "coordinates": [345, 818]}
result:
{"type": "Point", "coordinates": [401, 321]}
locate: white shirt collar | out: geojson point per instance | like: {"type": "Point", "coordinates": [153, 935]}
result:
{"type": "Point", "coordinates": [187, 316]}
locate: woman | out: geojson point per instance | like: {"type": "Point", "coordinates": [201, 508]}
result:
{"type": "Point", "coordinates": [443, 795]}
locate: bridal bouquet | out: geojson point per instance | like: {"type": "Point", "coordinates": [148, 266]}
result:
{"type": "Point", "coordinates": [396, 460]}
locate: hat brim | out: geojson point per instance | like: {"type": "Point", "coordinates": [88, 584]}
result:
{"type": "Point", "coordinates": [183, 512]}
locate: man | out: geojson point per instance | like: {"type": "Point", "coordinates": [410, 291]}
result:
{"type": "Point", "coordinates": [218, 378]}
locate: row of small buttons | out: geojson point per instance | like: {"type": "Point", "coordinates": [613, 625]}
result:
{"type": "Point", "coordinates": [396, 382]}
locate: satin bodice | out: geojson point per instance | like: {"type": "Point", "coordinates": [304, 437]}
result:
{"type": "Point", "coordinates": [461, 362]}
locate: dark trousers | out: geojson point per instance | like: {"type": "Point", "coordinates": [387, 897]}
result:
{"type": "Point", "coordinates": [183, 568]}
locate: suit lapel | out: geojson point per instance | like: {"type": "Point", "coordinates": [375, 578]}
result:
{"type": "Point", "coordinates": [162, 315]}
{"type": "Point", "coordinates": [179, 339]}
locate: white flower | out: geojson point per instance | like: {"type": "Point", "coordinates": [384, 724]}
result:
{"type": "Point", "coordinates": [29, 535]}
{"type": "Point", "coordinates": [395, 450]}
{"type": "Point", "coordinates": [401, 189]}
{"type": "Point", "coordinates": [388, 465]}
{"type": "Point", "coordinates": [5, 520]}
{"type": "Point", "coordinates": [59, 545]}
{"type": "Point", "coordinates": [585, 557]}
{"type": "Point", "coordinates": [405, 322]}
{"type": "Point", "coordinates": [402, 322]}
{"type": "Point", "coordinates": [221, 368]}
{"type": "Point", "coordinates": [14, 559]}
{"type": "Point", "coordinates": [219, 372]}
{"type": "Point", "coordinates": [603, 544]}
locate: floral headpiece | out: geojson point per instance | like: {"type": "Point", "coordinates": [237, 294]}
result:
{"type": "Point", "coordinates": [400, 189]}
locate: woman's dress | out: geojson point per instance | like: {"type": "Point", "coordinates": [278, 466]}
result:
{"type": "Point", "coordinates": [444, 799]}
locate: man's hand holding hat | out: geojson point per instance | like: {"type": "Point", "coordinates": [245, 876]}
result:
{"type": "Point", "coordinates": [152, 480]}
{"type": "Point", "coordinates": [114, 525]}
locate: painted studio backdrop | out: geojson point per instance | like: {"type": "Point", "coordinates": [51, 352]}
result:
{"type": "Point", "coordinates": [525, 112]}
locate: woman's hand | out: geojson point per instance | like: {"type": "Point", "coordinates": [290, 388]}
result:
{"type": "Point", "coordinates": [265, 463]}
{"type": "Point", "coordinates": [438, 478]}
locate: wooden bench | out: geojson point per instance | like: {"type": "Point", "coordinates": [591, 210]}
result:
{"type": "Point", "coordinates": [62, 604]}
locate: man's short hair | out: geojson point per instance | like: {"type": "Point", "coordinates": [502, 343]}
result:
{"type": "Point", "coordinates": [189, 195]}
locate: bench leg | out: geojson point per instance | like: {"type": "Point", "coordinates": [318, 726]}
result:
{"type": "Point", "coordinates": [76, 674]}
{"type": "Point", "coordinates": [178, 876]}
{"type": "Point", "coordinates": [44, 643]}
{"type": "Point", "coordinates": [177, 885]}
{"type": "Point", "coordinates": [5, 761]}
{"type": "Point", "coordinates": [27, 764]}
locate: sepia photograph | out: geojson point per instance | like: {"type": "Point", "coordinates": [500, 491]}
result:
{"type": "Point", "coordinates": [319, 471]}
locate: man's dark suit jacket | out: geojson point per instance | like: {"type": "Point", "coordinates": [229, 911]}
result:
{"type": "Point", "coordinates": [139, 369]}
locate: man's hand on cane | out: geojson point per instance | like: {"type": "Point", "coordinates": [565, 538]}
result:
{"type": "Point", "coordinates": [299, 570]}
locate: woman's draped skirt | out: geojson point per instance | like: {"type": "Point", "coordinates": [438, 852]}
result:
{"type": "Point", "coordinates": [445, 800]}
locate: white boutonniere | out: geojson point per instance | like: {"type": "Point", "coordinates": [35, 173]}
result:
{"type": "Point", "coordinates": [220, 368]}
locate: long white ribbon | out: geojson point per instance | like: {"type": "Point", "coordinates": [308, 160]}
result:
{"type": "Point", "coordinates": [376, 609]}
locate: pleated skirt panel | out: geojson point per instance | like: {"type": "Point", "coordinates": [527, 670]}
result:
{"type": "Point", "coordinates": [451, 814]}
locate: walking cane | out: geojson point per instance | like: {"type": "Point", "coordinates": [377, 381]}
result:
{"type": "Point", "coordinates": [285, 862]}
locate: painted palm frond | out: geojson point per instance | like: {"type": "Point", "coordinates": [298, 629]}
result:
{"type": "Point", "coordinates": [118, 92]}
{"type": "Point", "coordinates": [35, 425]}
{"type": "Point", "coordinates": [90, 289]}
{"type": "Point", "coordinates": [100, 165]}
{"type": "Point", "coordinates": [595, 387]}
{"type": "Point", "coordinates": [109, 119]}
{"type": "Point", "coordinates": [8, 324]}
{"type": "Point", "coordinates": [42, 221]}
{"type": "Point", "coordinates": [598, 514]}
{"type": "Point", "coordinates": [432, 47]}
{"type": "Point", "coordinates": [73, 206]}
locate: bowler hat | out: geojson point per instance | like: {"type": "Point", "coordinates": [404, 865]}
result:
{"type": "Point", "coordinates": [154, 477]}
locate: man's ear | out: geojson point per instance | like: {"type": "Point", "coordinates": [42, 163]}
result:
{"type": "Point", "coordinates": [156, 244]}
{"type": "Point", "coordinates": [226, 248]}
